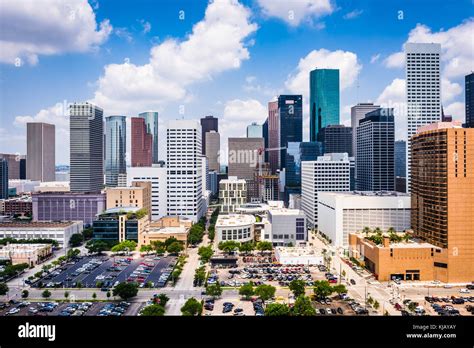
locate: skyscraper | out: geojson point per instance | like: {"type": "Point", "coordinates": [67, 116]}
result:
{"type": "Point", "coordinates": [151, 120]}
{"type": "Point", "coordinates": [40, 151]}
{"type": "Point", "coordinates": [400, 165]}
{"type": "Point", "coordinates": [358, 113]}
{"type": "Point", "coordinates": [254, 130]}
{"type": "Point", "coordinates": [336, 139]}
{"type": "Point", "coordinates": [208, 124]}
{"type": "Point", "coordinates": [142, 144]}
{"type": "Point", "coordinates": [375, 151]}
{"type": "Point", "coordinates": [323, 99]}
{"type": "Point", "coordinates": [14, 164]}
{"type": "Point", "coordinates": [423, 88]}
{"type": "Point", "coordinates": [290, 115]}
{"type": "Point", "coordinates": [273, 149]}
{"type": "Point", "coordinates": [469, 91]}
{"type": "Point", "coordinates": [3, 178]}
{"type": "Point", "coordinates": [87, 136]}
{"type": "Point", "coordinates": [265, 137]}
{"type": "Point", "coordinates": [442, 188]}
{"type": "Point", "coordinates": [115, 147]}
{"type": "Point", "coordinates": [213, 145]}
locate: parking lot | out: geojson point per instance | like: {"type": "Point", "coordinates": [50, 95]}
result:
{"type": "Point", "coordinates": [105, 272]}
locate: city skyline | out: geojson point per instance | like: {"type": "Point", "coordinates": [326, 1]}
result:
{"type": "Point", "coordinates": [237, 93]}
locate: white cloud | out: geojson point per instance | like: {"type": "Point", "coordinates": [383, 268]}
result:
{"type": "Point", "coordinates": [146, 26]}
{"type": "Point", "coordinates": [449, 90]}
{"type": "Point", "coordinates": [31, 28]}
{"type": "Point", "coordinates": [457, 110]}
{"type": "Point", "coordinates": [216, 44]}
{"type": "Point", "coordinates": [124, 33]}
{"type": "Point", "coordinates": [252, 85]}
{"type": "Point", "coordinates": [295, 11]}
{"type": "Point", "coordinates": [353, 14]}
{"type": "Point", "coordinates": [374, 58]}
{"type": "Point", "coordinates": [393, 96]}
{"type": "Point", "coordinates": [396, 60]}
{"type": "Point", "coordinates": [456, 46]}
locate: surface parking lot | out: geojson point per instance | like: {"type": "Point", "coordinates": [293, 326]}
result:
{"type": "Point", "coordinates": [109, 271]}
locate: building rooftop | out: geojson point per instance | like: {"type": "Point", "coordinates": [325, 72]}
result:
{"type": "Point", "coordinates": [233, 180]}
{"type": "Point", "coordinates": [235, 220]}
{"type": "Point", "coordinates": [439, 125]}
{"type": "Point", "coordinates": [168, 230]}
{"type": "Point", "coordinates": [284, 211]}
{"type": "Point", "coordinates": [369, 194]}
{"type": "Point", "coordinates": [297, 251]}
{"type": "Point", "coordinates": [117, 210]}
{"type": "Point", "coordinates": [38, 224]}
{"type": "Point", "coordinates": [23, 247]}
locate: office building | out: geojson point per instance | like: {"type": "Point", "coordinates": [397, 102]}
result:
{"type": "Point", "coordinates": [208, 123]}
{"type": "Point", "coordinates": [119, 224]}
{"type": "Point", "coordinates": [14, 164]}
{"type": "Point", "coordinates": [213, 146]}
{"type": "Point", "coordinates": [3, 178]}
{"type": "Point", "coordinates": [442, 188]}
{"type": "Point", "coordinates": [336, 139]}
{"type": "Point", "coordinates": [400, 165]}
{"type": "Point", "coordinates": [18, 206]}
{"type": "Point", "coordinates": [375, 162]}
{"type": "Point", "coordinates": [341, 213]}
{"type": "Point", "coordinates": [232, 194]}
{"type": "Point", "coordinates": [151, 121]}
{"type": "Point", "coordinates": [323, 100]}
{"type": "Point", "coordinates": [235, 227]}
{"type": "Point", "coordinates": [265, 138]}
{"type": "Point", "coordinates": [290, 115]}
{"type": "Point", "coordinates": [40, 151]}
{"type": "Point", "coordinates": [184, 169]}
{"type": "Point", "coordinates": [86, 148]}
{"type": "Point", "coordinates": [142, 143]}
{"type": "Point", "coordinates": [23, 186]}
{"type": "Point", "coordinates": [165, 228]}
{"type": "Point", "coordinates": [53, 186]}
{"type": "Point", "coordinates": [285, 227]}
{"type": "Point", "coordinates": [31, 254]}
{"type": "Point", "coordinates": [138, 196]}
{"type": "Point", "coordinates": [358, 113]}
{"type": "Point", "coordinates": [115, 148]}
{"type": "Point", "coordinates": [330, 172]}
{"type": "Point", "coordinates": [157, 176]}
{"type": "Point", "coordinates": [213, 184]}
{"type": "Point", "coordinates": [469, 96]}
{"type": "Point", "coordinates": [273, 148]}
{"type": "Point", "coordinates": [68, 206]}
{"type": "Point", "coordinates": [423, 88]}
{"type": "Point", "coordinates": [268, 183]}
{"type": "Point", "coordinates": [254, 130]}
{"type": "Point", "coordinates": [22, 168]}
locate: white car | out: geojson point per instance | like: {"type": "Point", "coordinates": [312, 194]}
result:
{"type": "Point", "coordinates": [13, 311]}
{"type": "Point", "coordinates": [447, 286]}
{"type": "Point", "coordinates": [464, 291]}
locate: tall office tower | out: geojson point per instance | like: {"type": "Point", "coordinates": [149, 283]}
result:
{"type": "Point", "coordinates": [86, 126]}
{"type": "Point", "coordinates": [208, 123]}
{"type": "Point", "coordinates": [273, 149]}
{"type": "Point", "coordinates": [290, 115]}
{"type": "Point", "coordinates": [184, 173]}
{"type": "Point", "coordinates": [400, 165]}
{"type": "Point", "coordinates": [336, 139]}
{"type": "Point", "coordinates": [40, 151]}
{"type": "Point", "coordinates": [268, 183]}
{"type": "Point", "coordinates": [375, 162]}
{"type": "Point", "coordinates": [23, 168]}
{"type": "Point", "coordinates": [151, 121]}
{"type": "Point", "coordinates": [13, 165]}
{"type": "Point", "coordinates": [265, 138]}
{"type": "Point", "coordinates": [142, 144]}
{"type": "Point", "coordinates": [330, 172]}
{"type": "Point", "coordinates": [3, 178]}
{"type": "Point", "coordinates": [442, 179]}
{"type": "Point", "coordinates": [323, 100]}
{"type": "Point", "coordinates": [115, 148]}
{"type": "Point", "coordinates": [469, 91]}
{"type": "Point", "coordinates": [296, 153]}
{"type": "Point", "coordinates": [254, 130]}
{"type": "Point", "coordinates": [423, 88]}
{"type": "Point", "coordinates": [213, 146]}
{"type": "Point", "coordinates": [245, 154]}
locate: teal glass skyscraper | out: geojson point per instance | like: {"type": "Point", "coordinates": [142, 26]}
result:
{"type": "Point", "coordinates": [324, 100]}
{"type": "Point", "coordinates": [115, 147]}
{"type": "Point", "coordinates": [151, 121]}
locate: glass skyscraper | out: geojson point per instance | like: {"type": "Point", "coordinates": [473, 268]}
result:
{"type": "Point", "coordinates": [151, 120]}
{"type": "Point", "coordinates": [324, 100]}
{"type": "Point", "coordinates": [290, 115]}
{"type": "Point", "coordinates": [469, 91]}
{"type": "Point", "coordinates": [115, 147]}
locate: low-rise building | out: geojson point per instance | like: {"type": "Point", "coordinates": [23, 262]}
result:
{"type": "Point", "coordinates": [298, 256]}
{"type": "Point", "coordinates": [17, 206]}
{"type": "Point", "coordinates": [31, 254]}
{"type": "Point", "coordinates": [58, 231]}
{"type": "Point", "coordinates": [23, 186]}
{"type": "Point", "coordinates": [232, 194]}
{"type": "Point", "coordinates": [285, 227]}
{"type": "Point", "coordinates": [53, 186]}
{"type": "Point", "coordinates": [138, 195]}
{"type": "Point", "coordinates": [235, 227]}
{"type": "Point", "coordinates": [166, 227]}
{"type": "Point", "coordinates": [119, 224]}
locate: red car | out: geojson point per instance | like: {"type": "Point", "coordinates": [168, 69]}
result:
{"type": "Point", "coordinates": [398, 307]}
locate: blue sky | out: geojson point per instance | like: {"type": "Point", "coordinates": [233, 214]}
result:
{"type": "Point", "coordinates": [227, 58]}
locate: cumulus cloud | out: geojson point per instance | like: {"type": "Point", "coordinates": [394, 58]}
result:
{"type": "Point", "coordinates": [216, 44]}
{"type": "Point", "coordinates": [393, 96]}
{"type": "Point", "coordinates": [457, 110]}
{"type": "Point", "coordinates": [31, 28]}
{"type": "Point", "coordinates": [396, 60]}
{"type": "Point", "coordinates": [449, 90]}
{"type": "Point", "coordinates": [295, 11]}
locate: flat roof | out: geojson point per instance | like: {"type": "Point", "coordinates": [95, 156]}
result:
{"type": "Point", "coordinates": [167, 230]}
{"type": "Point", "coordinates": [369, 194]}
{"type": "Point", "coordinates": [38, 224]}
{"type": "Point", "coordinates": [235, 220]}
{"type": "Point", "coordinates": [285, 211]}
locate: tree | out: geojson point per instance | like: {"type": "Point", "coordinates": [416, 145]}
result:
{"type": "Point", "coordinates": [46, 294]}
{"type": "Point", "coordinates": [96, 246]}
{"type": "Point", "coordinates": [154, 310]}
{"type": "Point", "coordinates": [72, 253]}
{"type": "Point", "coordinates": [25, 294]}
{"type": "Point", "coordinates": [66, 294]}
{"type": "Point", "coordinates": [228, 246]}
{"type": "Point", "coordinates": [146, 249]}
{"type": "Point", "coordinates": [108, 294]}
{"type": "Point", "coordinates": [169, 241]}
{"type": "Point", "coordinates": [378, 231]}
{"type": "Point", "coordinates": [297, 287]}
{"type": "Point", "coordinates": [214, 290]}
{"type": "Point", "coordinates": [162, 299]}
{"type": "Point", "coordinates": [200, 275]}
{"type": "Point", "coordinates": [3, 288]}
{"type": "Point", "coordinates": [246, 290]}
{"type": "Point", "coordinates": [376, 305]}
{"type": "Point", "coordinates": [94, 295]}
{"type": "Point", "coordinates": [87, 233]}
{"type": "Point", "coordinates": [76, 239]}
{"type": "Point", "coordinates": [79, 285]}
{"type": "Point", "coordinates": [175, 248]}
{"type": "Point", "coordinates": [303, 307]}
{"type": "Point", "coordinates": [205, 253]}
{"type": "Point", "coordinates": [322, 288]}
{"type": "Point", "coordinates": [247, 247]}
{"type": "Point", "coordinates": [264, 245]}
{"type": "Point", "coordinates": [277, 309]}
{"type": "Point", "coordinates": [339, 289]}
{"type": "Point", "coordinates": [265, 292]}
{"type": "Point", "coordinates": [126, 245]}
{"type": "Point", "coordinates": [126, 290]}
{"type": "Point", "coordinates": [366, 230]}
{"type": "Point", "coordinates": [192, 307]}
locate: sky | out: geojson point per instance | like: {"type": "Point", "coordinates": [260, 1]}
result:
{"type": "Point", "coordinates": [227, 58]}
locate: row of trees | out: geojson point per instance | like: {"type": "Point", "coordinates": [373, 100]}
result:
{"type": "Point", "coordinates": [378, 235]}
{"type": "Point", "coordinates": [212, 224]}
{"type": "Point", "coordinates": [230, 246]}
{"type": "Point", "coordinates": [196, 232]}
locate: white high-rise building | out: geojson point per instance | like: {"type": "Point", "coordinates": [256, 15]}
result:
{"type": "Point", "coordinates": [329, 173]}
{"type": "Point", "coordinates": [184, 168]}
{"type": "Point", "coordinates": [423, 89]}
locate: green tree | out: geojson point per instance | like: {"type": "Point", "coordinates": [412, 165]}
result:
{"type": "Point", "coordinates": [228, 246]}
{"type": "Point", "coordinates": [247, 247]}
{"type": "Point", "coordinates": [87, 233]}
{"type": "Point", "coordinates": [76, 239]}
{"type": "Point", "coordinates": [96, 246]}
{"type": "Point", "coordinates": [376, 305]}
{"type": "Point", "coordinates": [154, 310]}
{"type": "Point", "coordinates": [303, 307]}
{"type": "Point", "coordinates": [3, 289]}
{"type": "Point", "coordinates": [366, 230]}
{"type": "Point", "coordinates": [126, 245]}
{"type": "Point", "coordinates": [265, 292]}
{"type": "Point", "coordinates": [214, 290]}
{"type": "Point", "coordinates": [246, 290]}
{"type": "Point", "coordinates": [264, 246]}
{"type": "Point", "coordinates": [72, 253]}
{"type": "Point", "coordinates": [94, 295]}
{"type": "Point", "coordinates": [126, 290]}
{"type": "Point", "coordinates": [339, 289]}
{"type": "Point", "coordinates": [277, 310]}
{"type": "Point", "coordinates": [192, 307]}
{"type": "Point", "coordinates": [46, 294]}
{"type": "Point", "coordinates": [146, 249]}
{"type": "Point", "coordinates": [25, 294]}
{"type": "Point", "coordinates": [108, 294]}
{"type": "Point", "coordinates": [66, 294]}
{"type": "Point", "coordinates": [297, 287]}
{"type": "Point", "coordinates": [322, 288]}
{"type": "Point", "coordinates": [175, 248]}
{"type": "Point", "coordinates": [205, 253]}
{"type": "Point", "coordinates": [79, 285]}
{"type": "Point", "coordinates": [162, 299]}
{"type": "Point", "coordinates": [200, 275]}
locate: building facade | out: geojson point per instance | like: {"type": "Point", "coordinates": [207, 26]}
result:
{"type": "Point", "coordinates": [142, 143]}
{"type": "Point", "coordinates": [235, 227]}
{"type": "Point", "coordinates": [138, 196]}
{"type": "Point", "coordinates": [115, 148]}
{"type": "Point", "coordinates": [285, 227]}
{"type": "Point", "coordinates": [213, 146]}
{"type": "Point", "coordinates": [208, 123]}
{"type": "Point", "coordinates": [151, 121]}
{"type": "Point", "coordinates": [336, 139]}
{"type": "Point", "coordinates": [3, 178]}
{"type": "Point", "coordinates": [14, 163]}
{"type": "Point", "coordinates": [40, 151]}
{"type": "Point", "coordinates": [232, 194]}
{"type": "Point", "coordinates": [273, 148]}
{"type": "Point", "coordinates": [119, 224]}
{"type": "Point", "coordinates": [254, 130]}
{"type": "Point", "coordinates": [469, 96]}
{"type": "Point", "coordinates": [358, 113]}
{"type": "Point", "coordinates": [290, 116]}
